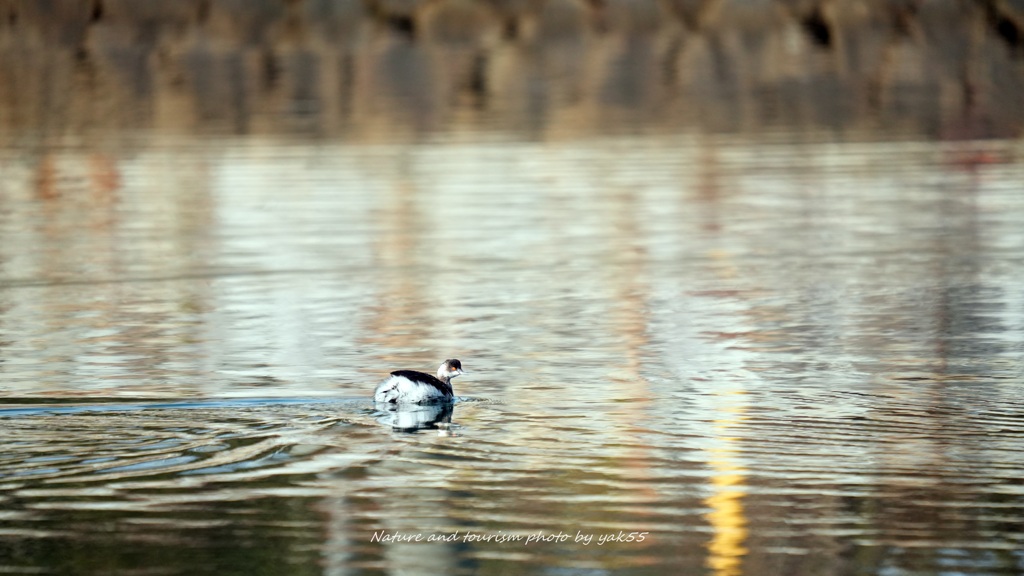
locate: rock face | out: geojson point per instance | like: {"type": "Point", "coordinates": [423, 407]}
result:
{"type": "Point", "coordinates": [362, 68]}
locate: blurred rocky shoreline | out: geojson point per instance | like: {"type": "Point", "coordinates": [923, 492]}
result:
{"type": "Point", "coordinates": [378, 69]}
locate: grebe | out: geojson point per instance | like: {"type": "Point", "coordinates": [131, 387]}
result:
{"type": "Point", "coordinates": [412, 387]}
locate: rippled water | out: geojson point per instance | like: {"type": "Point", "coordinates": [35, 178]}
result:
{"type": "Point", "coordinates": [705, 354]}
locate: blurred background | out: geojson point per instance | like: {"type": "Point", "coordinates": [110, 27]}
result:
{"type": "Point", "coordinates": [372, 70]}
{"type": "Point", "coordinates": [745, 275]}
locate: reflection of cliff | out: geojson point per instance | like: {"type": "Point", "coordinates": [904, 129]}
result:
{"type": "Point", "coordinates": [372, 68]}
{"type": "Point", "coordinates": [97, 264]}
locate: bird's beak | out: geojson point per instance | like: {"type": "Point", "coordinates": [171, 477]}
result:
{"type": "Point", "coordinates": [456, 372]}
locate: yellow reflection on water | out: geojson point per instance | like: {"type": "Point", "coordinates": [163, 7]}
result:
{"type": "Point", "coordinates": [727, 518]}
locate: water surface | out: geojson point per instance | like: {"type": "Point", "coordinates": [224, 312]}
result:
{"type": "Point", "coordinates": [710, 354]}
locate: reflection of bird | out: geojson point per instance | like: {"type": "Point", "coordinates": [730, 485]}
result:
{"type": "Point", "coordinates": [412, 387]}
{"type": "Point", "coordinates": [415, 417]}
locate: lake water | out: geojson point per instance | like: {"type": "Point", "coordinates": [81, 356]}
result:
{"type": "Point", "coordinates": [697, 354]}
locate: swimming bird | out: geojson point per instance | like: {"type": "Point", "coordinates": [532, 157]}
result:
{"type": "Point", "coordinates": [412, 387]}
